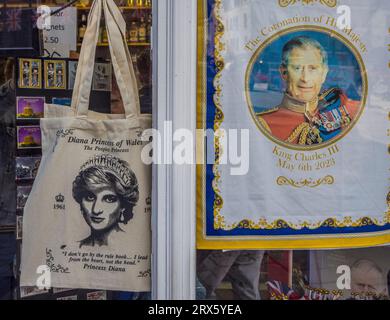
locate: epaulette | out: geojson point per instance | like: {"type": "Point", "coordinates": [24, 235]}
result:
{"type": "Point", "coordinates": [329, 97]}
{"type": "Point", "coordinates": [267, 111]}
{"type": "Point", "coordinates": [325, 93]}
{"type": "Point", "coordinates": [331, 92]}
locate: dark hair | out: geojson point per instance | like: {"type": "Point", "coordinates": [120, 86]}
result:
{"type": "Point", "coordinates": [9, 69]}
{"type": "Point", "coordinates": [302, 42]}
{"type": "Point", "coordinates": [128, 194]}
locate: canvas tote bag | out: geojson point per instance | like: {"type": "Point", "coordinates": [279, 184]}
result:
{"type": "Point", "coordinates": [87, 219]}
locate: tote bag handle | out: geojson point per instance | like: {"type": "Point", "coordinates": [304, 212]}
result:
{"type": "Point", "coordinates": [120, 55]}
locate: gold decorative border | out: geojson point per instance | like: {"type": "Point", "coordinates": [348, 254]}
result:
{"type": "Point", "coordinates": [347, 222]}
{"type": "Point", "coordinates": [311, 183]}
{"type": "Point", "coordinates": [219, 220]}
{"type": "Point", "coordinates": [201, 96]}
{"type": "Point", "coordinates": [329, 3]}
{"type": "Point", "coordinates": [363, 73]}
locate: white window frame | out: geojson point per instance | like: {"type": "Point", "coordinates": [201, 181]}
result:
{"type": "Point", "coordinates": [174, 186]}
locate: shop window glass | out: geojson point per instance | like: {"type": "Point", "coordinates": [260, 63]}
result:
{"type": "Point", "coordinates": [347, 274]}
{"type": "Point", "coordinates": [23, 77]}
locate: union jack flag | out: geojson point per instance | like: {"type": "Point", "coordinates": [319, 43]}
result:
{"type": "Point", "coordinates": [280, 291]}
{"type": "Point", "coordinates": [14, 20]}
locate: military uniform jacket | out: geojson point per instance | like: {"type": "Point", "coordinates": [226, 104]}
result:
{"type": "Point", "coordinates": [292, 122]}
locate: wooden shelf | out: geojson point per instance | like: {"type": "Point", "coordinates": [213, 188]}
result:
{"type": "Point", "coordinates": [17, 5]}
{"type": "Point", "coordinates": [121, 8]}
{"type": "Point", "coordinates": [26, 5]}
{"type": "Point", "coordinates": [130, 44]}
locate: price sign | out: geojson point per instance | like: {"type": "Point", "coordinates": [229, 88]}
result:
{"type": "Point", "coordinates": [60, 35]}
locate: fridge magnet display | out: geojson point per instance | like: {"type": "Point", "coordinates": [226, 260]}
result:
{"type": "Point", "coordinates": [97, 295]}
{"type": "Point", "coordinates": [19, 227]}
{"type": "Point", "coordinates": [29, 137]}
{"type": "Point", "coordinates": [102, 77]}
{"type": "Point", "coordinates": [55, 74]}
{"type": "Point", "coordinates": [29, 107]}
{"type": "Point", "coordinates": [30, 76]}
{"type": "Point", "coordinates": [22, 194]}
{"type": "Point", "coordinates": [31, 291]}
{"type": "Point", "coordinates": [72, 69]}
{"type": "Point", "coordinates": [62, 101]}
{"type": "Point", "coordinates": [27, 167]}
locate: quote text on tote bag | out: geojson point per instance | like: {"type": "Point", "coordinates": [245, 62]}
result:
{"type": "Point", "coordinates": [88, 216]}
